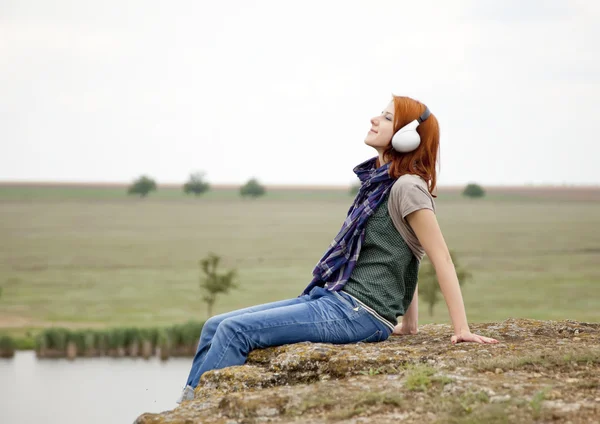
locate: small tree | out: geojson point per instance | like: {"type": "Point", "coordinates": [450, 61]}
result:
{"type": "Point", "coordinates": [428, 286]}
{"type": "Point", "coordinates": [142, 186]}
{"type": "Point", "coordinates": [214, 283]}
{"type": "Point", "coordinates": [252, 188]}
{"type": "Point", "coordinates": [473, 190]}
{"type": "Point", "coordinates": [196, 184]}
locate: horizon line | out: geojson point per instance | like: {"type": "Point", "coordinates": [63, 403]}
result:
{"type": "Point", "coordinates": [98, 184]}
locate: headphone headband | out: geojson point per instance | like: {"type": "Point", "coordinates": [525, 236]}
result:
{"type": "Point", "coordinates": [424, 115]}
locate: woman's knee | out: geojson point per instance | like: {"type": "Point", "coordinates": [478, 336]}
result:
{"type": "Point", "coordinates": [210, 326]}
{"type": "Point", "coordinates": [229, 325]}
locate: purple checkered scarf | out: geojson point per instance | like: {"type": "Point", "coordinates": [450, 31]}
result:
{"type": "Point", "coordinates": [337, 263]}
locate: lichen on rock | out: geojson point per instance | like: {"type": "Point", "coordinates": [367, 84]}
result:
{"type": "Point", "coordinates": [540, 370]}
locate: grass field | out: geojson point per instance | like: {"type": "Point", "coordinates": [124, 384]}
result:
{"type": "Point", "coordinates": [91, 257]}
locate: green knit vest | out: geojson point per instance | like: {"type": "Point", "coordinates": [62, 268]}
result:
{"type": "Point", "coordinates": [386, 272]}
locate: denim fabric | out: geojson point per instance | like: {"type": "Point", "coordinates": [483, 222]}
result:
{"type": "Point", "coordinates": [321, 316]}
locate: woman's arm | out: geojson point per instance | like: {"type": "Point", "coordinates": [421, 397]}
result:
{"type": "Point", "coordinates": [411, 316]}
{"type": "Point", "coordinates": [410, 319]}
{"type": "Point", "coordinates": [426, 228]}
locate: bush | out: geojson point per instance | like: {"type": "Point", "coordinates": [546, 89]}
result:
{"type": "Point", "coordinates": [132, 335]}
{"type": "Point", "coordinates": [102, 340]}
{"type": "Point", "coordinates": [7, 347]}
{"type": "Point", "coordinates": [191, 332]}
{"type": "Point", "coordinates": [78, 337]}
{"type": "Point", "coordinates": [196, 184]}
{"type": "Point", "coordinates": [163, 339]}
{"type": "Point", "coordinates": [215, 283]}
{"type": "Point", "coordinates": [183, 337]}
{"type": "Point", "coordinates": [24, 343]}
{"type": "Point", "coordinates": [116, 338]}
{"type": "Point", "coordinates": [153, 336]}
{"type": "Point", "coordinates": [252, 188]}
{"type": "Point", "coordinates": [56, 338]}
{"type": "Point", "coordinates": [89, 341]}
{"type": "Point", "coordinates": [473, 190]}
{"type": "Point", "coordinates": [142, 186]}
{"type": "Point", "coordinates": [428, 285]}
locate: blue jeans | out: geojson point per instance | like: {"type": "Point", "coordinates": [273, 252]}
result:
{"type": "Point", "coordinates": [321, 316]}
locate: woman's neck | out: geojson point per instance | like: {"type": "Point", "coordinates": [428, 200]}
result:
{"type": "Point", "coordinates": [380, 161]}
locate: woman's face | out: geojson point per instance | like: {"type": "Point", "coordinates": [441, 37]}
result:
{"type": "Point", "coordinates": [382, 128]}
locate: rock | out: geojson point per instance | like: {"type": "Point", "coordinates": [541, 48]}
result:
{"type": "Point", "coordinates": [559, 408]}
{"type": "Point", "coordinates": [304, 382]}
{"type": "Point", "coordinates": [267, 412]}
{"type": "Point", "coordinates": [499, 399]}
{"type": "Point", "coordinates": [488, 391]}
{"type": "Point", "coordinates": [238, 378]}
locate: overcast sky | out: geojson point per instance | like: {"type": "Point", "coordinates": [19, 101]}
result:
{"type": "Point", "coordinates": [97, 91]}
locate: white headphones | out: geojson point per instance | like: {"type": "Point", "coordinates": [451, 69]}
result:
{"type": "Point", "coordinates": [407, 138]}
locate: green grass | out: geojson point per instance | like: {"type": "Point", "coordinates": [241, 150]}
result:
{"type": "Point", "coordinates": [115, 192]}
{"type": "Point", "coordinates": [67, 259]}
{"type": "Point", "coordinates": [419, 378]}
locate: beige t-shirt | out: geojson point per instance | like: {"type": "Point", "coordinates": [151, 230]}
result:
{"type": "Point", "coordinates": [408, 194]}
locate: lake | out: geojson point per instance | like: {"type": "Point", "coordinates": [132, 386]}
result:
{"type": "Point", "coordinates": [87, 390]}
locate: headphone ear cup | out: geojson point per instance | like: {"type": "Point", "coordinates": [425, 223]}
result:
{"type": "Point", "coordinates": [406, 139]}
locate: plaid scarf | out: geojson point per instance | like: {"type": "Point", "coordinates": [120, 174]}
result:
{"type": "Point", "coordinates": [337, 263]}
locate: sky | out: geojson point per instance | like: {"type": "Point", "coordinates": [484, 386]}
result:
{"type": "Point", "coordinates": [283, 91]}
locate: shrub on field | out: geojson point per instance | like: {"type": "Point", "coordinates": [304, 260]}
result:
{"type": "Point", "coordinates": [142, 186]}
{"type": "Point", "coordinates": [473, 190]}
{"type": "Point", "coordinates": [214, 283]}
{"type": "Point", "coordinates": [116, 338]}
{"type": "Point", "coordinates": [428, 286]}
{"type": "Point", "coordinates": [252, 189]}
{"type": "Point", "coordinates": [7, 347]}
{"type": "Point", "coordinates": [153, 336]}
{"type": "Point", "coordinates": [177, 340]}
{"type": "Point", "coordinates": [164, 343]}
{"type": "Point", "coordinates": [132, 335]}
{"type": "Point", "coordinates": [102, 341]}
{"type": "Point", "coordinates": [191, 333]}
{"type": "Point", "coordinates": [196, 184]}
{"type": "Point", "coordinates": [78, 338]}
{"type": "Point", "coordinates": [132, 341]}
{"type": "Point", "coordinates": [57, 338]}
{"type": "Point", "coordinates": [89, 342]}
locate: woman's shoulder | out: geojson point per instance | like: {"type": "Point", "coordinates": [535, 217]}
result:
{"type": "Point", "coordinates": [408, 180]}
{"type": "Point", "coordinates": [411, 192]}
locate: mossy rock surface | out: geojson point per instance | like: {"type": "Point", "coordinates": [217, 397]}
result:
{"type": "Point", "coordinates": [541, 371]}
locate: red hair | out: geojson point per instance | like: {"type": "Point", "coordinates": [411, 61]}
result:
{"type": "Point", "coordinates": [421, 161]}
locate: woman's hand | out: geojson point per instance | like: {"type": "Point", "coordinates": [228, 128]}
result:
{"type": "Point", "coordinates": [467, 336]}
{"type": "Point", "coordinates": [403, 329]}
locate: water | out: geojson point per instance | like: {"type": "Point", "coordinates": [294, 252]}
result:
{"type": "Point", "coordinates": [87, 390]}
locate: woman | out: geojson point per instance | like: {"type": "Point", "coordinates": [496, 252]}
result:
{"type": "Point", "coordinates": [368, 276]}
